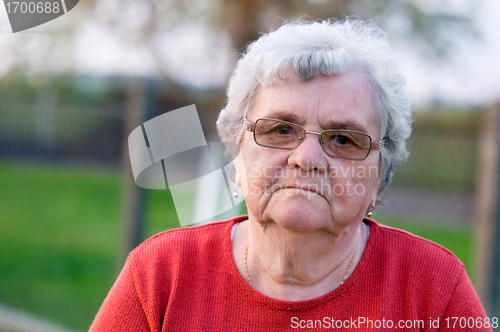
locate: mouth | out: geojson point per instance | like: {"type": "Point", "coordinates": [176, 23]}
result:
{"type": "Point", "coordinates": [303, 189]}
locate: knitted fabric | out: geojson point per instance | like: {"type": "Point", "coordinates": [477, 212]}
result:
{"type": "Point", "coordinates": [186, 280]}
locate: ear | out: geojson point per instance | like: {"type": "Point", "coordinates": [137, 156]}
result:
{"type": "Point", "coordinates": [373, 200]}
{"type": "Point", "coordinates": [373, 195]}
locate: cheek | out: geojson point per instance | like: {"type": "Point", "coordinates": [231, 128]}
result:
{"type": "Point", "coordinates": [354, 180]}
{"type": "Point", "coordinates": [262, 176]}
{"type": "Point", "coordinates": [262, 169]}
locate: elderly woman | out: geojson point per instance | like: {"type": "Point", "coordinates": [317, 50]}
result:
{"type": "Point", "coordinates": [319, 113]}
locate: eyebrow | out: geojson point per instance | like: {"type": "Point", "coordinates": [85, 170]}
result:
{"type": "Point", "coordinates": [291, 117]}
{"type": "Point", "coordinates": [348, 125]}
{"type": "Point", "coordinates": [286, 116]}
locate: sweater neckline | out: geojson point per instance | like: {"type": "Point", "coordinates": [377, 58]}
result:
{"type": "Point", "coordinates": [252, 294]}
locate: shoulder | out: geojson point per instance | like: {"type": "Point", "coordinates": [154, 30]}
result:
{"type": "Point", "coordinates": [407, 246]}
{"type": "Point", "coordinates": [417, 273]}
{"type": "Point", "coordinates": [159, 263]}
{"type": "Point", "coordinates": [175, 243]}
{"type": "Point", "coordinates": [414, 259]}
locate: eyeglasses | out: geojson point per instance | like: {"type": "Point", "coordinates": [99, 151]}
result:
{"type": "Point", "coordinates": [337, 143]}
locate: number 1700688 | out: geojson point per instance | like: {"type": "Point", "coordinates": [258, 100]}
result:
{"type": "Point", "coordinates": [471, 322]}
{"type": "Point", "coordinates": [32, 7]}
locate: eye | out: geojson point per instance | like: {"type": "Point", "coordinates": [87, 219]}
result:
{"type": "Point", "coordinates": [284, 130]}
{"type": "Point", "coordinates": [341, 139]}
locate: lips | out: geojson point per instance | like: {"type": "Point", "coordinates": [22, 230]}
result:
{"type": "Point", "coordinates": [313, 188]}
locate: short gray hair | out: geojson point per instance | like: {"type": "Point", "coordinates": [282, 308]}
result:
{"type": "Point", "coordinates": [328, 47]}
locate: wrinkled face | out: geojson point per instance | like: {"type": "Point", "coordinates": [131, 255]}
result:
{"type": "Point", "coordinates": [304, 189]}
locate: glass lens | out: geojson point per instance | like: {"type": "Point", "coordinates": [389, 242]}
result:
{"type": "Point", "coordinates": [346, 144]}
{"type": "Point", "coordinates": [277, 134]}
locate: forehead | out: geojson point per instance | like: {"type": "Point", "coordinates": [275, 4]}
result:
{"type": "Point", "coordinates": [344, 101]}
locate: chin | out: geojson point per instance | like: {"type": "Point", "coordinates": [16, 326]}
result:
{"type": "Point", "coordinates": [300, 214]}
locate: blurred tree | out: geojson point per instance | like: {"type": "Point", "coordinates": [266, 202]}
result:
{"type": "Point", "coordinates": [435, 29]}
{"type": "Point", "coordinates": [431, 28]}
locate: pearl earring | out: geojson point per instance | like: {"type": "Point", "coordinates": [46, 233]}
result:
{"type": "Point", "coordinates": [369, 213]}
{"type": "Point", "coordinates": [236, 193]}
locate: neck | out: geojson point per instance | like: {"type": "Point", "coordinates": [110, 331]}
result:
{"type": "Point", "coordinates": [297, 266]}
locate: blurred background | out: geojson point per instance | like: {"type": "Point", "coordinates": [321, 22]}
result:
{"type": "Point", "coordinates": [71, 91]}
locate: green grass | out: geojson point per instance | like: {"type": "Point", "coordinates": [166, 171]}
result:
{"type": "Point", "coordinates": [60, 230]}
{"type": "Point", "coordinates": [60, 236]}
{"type": "Point", "coordinates": [160, 212]}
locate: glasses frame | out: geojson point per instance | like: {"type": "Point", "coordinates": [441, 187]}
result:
{"type": "Point", "coordinates": [249, 126]}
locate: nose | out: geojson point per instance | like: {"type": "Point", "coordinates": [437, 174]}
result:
{"type": "Point", "coordinates": [309, 155]}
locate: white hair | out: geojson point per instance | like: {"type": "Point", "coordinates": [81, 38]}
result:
{"type": "Point", "coordinates": [307, 49]}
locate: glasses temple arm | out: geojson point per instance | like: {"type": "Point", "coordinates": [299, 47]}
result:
{"type": "Point", "coordinates": [248, 125]}
{"type": "Point", "coordinates": [378, 145]}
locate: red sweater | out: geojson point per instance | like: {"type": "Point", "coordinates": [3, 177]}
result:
{"type": "Point", "coordinates": [186, 280]}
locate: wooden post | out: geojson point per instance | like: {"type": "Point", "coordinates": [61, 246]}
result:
{"type": "Point", "coordinates": [487, 210]}
{"type": "Point", "coordinates": [133, 196]}
{"type": "Point", "coordinates": [495, 241]}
